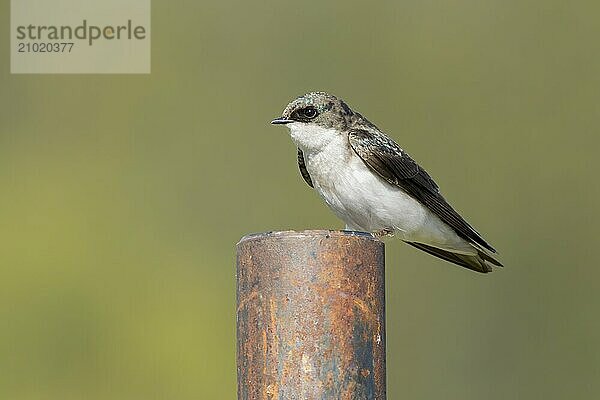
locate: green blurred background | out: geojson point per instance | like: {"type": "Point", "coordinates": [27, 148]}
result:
{"type": "Point", "coordinates": [122, 197]}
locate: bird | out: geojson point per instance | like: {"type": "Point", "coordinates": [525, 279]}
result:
{"type": "Point", "coordinates": [374, 186]}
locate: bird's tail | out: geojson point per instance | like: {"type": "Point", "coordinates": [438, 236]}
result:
{"type": "Point", "coordinates": [479, 262]}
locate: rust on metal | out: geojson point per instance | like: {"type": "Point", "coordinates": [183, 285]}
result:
{"type": "Point", "coordinates": [310, 316]}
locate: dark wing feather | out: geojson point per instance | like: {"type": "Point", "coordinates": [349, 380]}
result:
{"type": "Point", "coordinates": [386, 158]}
{"type": "Point", "coordinates": [477, 262]}
{"type": "Point", "coordinates": [303, 170]}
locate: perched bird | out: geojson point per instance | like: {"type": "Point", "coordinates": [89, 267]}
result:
{"type": "Point", "coordinates": [374, 186]}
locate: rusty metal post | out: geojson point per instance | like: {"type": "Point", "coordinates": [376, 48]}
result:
{"type": "Point", "coordinates": [310, 316]}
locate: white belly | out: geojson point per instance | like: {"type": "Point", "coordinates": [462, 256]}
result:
{"type": "Point", "coordinates": [366, 202]}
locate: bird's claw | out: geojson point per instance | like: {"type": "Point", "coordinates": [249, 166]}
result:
{"type": "Point", "coordinates": [385, 232]}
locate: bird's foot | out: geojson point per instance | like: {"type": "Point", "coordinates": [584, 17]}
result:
{"type": "Point", "coordinates": [385, 232]}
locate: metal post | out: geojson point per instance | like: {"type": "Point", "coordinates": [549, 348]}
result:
{"type": "Point", "coordinates": [310, 316]}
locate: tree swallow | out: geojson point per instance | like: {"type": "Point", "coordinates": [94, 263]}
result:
{"type": "Point", "coordinates": [370, 183]}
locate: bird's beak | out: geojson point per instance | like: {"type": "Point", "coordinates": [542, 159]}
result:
{"type": "Point", "coordinates": [281, 120]}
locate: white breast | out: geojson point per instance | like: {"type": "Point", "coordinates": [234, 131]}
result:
{"type": "Point", "coordinates": [360, 197]}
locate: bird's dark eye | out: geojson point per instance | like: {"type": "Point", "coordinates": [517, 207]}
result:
{"type": "Point", "coordinates": [309, 112]}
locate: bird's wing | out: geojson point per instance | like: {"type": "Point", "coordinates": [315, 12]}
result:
{"type": "Point", "coordinates": [388, 160]}
{"type": "Point", "coordinates": [302, 168]}
{"type": "Point", "coordinates": [480, 262]}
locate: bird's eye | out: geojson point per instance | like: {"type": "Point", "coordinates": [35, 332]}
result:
{"type": "Point", "coordinates": [309, 112]}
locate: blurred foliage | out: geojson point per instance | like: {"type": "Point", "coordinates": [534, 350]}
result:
{"type": "Point", "coordinates": [122, 197]}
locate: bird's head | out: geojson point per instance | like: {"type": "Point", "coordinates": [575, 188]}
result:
{"type": "Point", "coordinates": [315, 119]}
